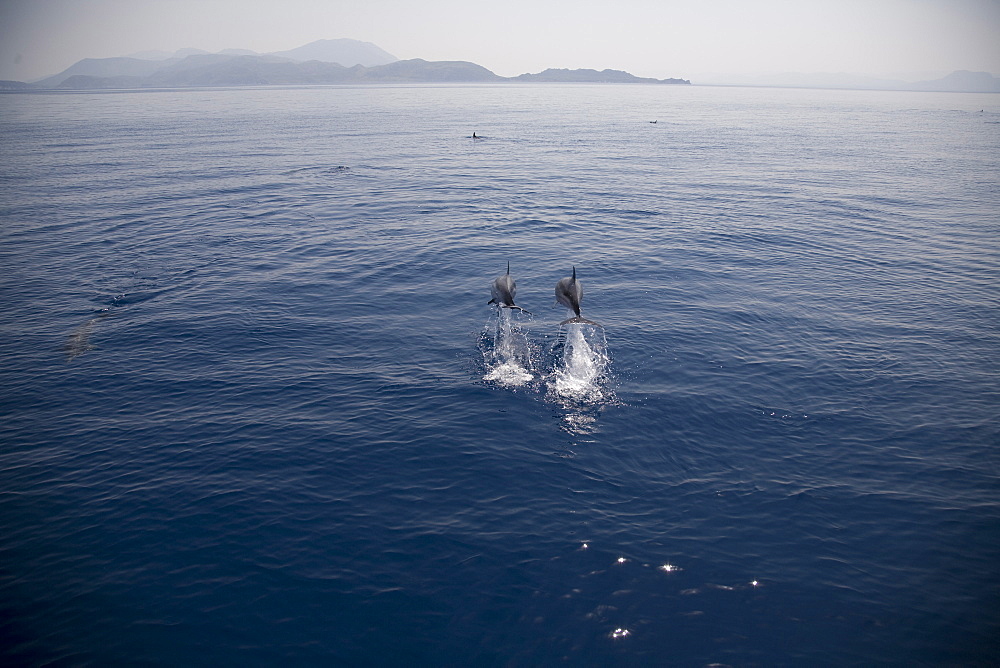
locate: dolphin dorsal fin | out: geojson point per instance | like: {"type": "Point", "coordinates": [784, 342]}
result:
{"type": "Point", "coordinates": [508, 267]}
{"type": "Point", "coordinates": [574, 273]}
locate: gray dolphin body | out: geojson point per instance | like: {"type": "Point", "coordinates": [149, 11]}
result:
{"type": "Point", "coordinates": [79, 341]}
{"type": "Point", "coordinates": [504, 288]}
{"type": "Point", "coordinates": [569, 292]}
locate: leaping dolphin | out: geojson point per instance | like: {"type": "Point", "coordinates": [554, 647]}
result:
{"type": "Point", "coordinates": [504, 288]}
{"type": "Point", "coordinates": [569, 292]}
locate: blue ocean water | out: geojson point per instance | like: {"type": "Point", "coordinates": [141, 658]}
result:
{"type": "Point", "coordinates": [256, 409]}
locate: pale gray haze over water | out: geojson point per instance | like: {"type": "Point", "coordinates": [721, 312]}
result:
{"type": "Point", "coordinates": [653, 38]}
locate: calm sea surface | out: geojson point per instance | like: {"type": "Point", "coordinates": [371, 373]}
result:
{"type": "Point", "coordinates": [257, 411]}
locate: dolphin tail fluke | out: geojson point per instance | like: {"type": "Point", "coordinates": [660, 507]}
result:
{"type": "Point", "coordinates": [580, 320]}
{"type": "Point", "coordinates": [516, 307]}
{"type": "Point", "coordinates": [492, 301]}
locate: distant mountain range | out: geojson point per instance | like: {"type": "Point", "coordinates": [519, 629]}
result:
{"type": "Point", "coordinates": [348, 61]}
{"type": "Point", "coordinates": [333, 61]}
{"type": "Point", "coordinates": [347, 52]}
{"type": "Point", "coordinates": [592, 76]}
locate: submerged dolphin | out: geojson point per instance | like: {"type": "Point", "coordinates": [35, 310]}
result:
{"type": "Point", "coordinates": [79, 341]}
{"type": "Point", "coordinates": [569, 292]}
{"type": "Point", "coordinates": [504, 288]}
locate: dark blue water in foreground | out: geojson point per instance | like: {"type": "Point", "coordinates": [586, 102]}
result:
{"type": "Point", "coordinates": [256, 410]}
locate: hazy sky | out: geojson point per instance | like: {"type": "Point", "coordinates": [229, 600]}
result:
{"type": "Point", "coordinates": [659, 38]}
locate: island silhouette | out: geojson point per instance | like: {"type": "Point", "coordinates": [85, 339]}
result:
{"type": "Point", "coordinates": [341, 61]}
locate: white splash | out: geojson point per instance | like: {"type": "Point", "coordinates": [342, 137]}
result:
{"type": "Point", "coordinates": [580, 375]}
{"type": "Point", "coordinates": [508, 356]}
{"type": "Point", "coordinates": [509, 374]}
